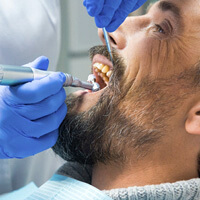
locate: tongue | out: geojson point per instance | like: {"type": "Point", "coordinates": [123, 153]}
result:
{"type": "Point", "coordinates": [99, 80]}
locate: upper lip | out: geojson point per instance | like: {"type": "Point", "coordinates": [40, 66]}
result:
{"type": "Point", "coordinates": [98, 58]}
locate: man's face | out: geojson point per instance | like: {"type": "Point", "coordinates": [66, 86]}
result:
{"type": "Point", "coordinates": [152, 78]}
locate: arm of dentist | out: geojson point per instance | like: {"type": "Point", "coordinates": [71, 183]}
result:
{"type": "Point", "coordinates": [30, 114]}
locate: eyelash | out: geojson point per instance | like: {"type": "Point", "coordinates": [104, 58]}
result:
{"type": "Point", "coordinates": [159, 29]}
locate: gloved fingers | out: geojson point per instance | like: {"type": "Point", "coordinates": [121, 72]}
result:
{"type": "Point", "coordinates": [93, 7]}
{"type": "Point", "coordinates": [120, 15]}
{"type": "Point", "coordinates": [47, 124]}
{"type": "Point", "coordinates": [106, 15]}
{"type": "Point", "coordinates": [3, 155]}
{"type": "Point", "coordinates": [41, 63]}
{"type": "Point", "coordinates": [30, 146]}
{"type": "Point", "coordinates": [44, 108]}
{"type": "Point", "coordinates": [138, 4]}
{"type": "Point", "coordinates": [37, 90]}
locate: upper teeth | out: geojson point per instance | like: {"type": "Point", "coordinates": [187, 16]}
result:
{"type": "Point", "coordinates": [103, 71]}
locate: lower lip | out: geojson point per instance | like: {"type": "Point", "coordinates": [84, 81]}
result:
{"type": "Point", "coordinates": [88, 92]}
{"type": "Point", "coordinates": [82, 92]}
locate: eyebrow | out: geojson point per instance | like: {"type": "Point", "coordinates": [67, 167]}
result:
{"type": "Point", "coordinates": [169, 6]}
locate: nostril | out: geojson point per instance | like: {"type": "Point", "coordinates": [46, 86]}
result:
{"type": "Point", "coordinates": [117, 38]}
{"type": "Point", "coordinates": [112, 40]}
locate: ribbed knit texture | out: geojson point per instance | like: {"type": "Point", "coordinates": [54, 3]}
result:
{"type": "Point", "coordinates": [182, 190]}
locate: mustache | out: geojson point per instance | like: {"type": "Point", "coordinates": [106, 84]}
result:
{"type": "Point", "coordinates": [102, 50]}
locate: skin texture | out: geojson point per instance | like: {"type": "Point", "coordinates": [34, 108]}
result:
{"type": "Point", "coordinates": [144, 128]}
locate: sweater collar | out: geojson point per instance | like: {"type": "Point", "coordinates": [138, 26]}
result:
{"type": "Point", "coordinates": [183, 190]}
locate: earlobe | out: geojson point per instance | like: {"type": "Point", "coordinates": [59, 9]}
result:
{"type": "Point", "coordinates": [192, 123]}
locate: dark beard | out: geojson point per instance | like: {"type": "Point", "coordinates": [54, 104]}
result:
{"type": "Point", "coordinates": [81, 134]}
{"type": "Point", "coordinates": [107, 131]}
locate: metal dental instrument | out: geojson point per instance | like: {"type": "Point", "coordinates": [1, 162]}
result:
{"type": "Point", "coordinates": [92, 79]}
{"type": "Point", "coordinates": [107, 43]}
{"type": "Point", "coordinates": [15, 75]}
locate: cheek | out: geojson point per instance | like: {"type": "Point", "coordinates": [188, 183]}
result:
{"type": "Point", "coordinates": [149, 56]}
{"type": "Point", "coordinates": [144, 57]}
{"type": "Point", "coordinates": [158, 58]}
{"type": "Point", "coordinates": [155, 57]}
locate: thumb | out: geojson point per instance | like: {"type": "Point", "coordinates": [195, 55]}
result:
{"type": "Point", "coordinates": [41, 63]}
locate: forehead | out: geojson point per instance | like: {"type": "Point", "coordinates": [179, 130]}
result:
{"type": "Point", "coordinates": [182, 5]}
{"type": "Point", "coordinates": [187, 10]}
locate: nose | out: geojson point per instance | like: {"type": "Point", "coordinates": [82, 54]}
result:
{"type": "Point", "coordinates": [120, 37]}
{"type": "Point", "coordinates": [117, 38]}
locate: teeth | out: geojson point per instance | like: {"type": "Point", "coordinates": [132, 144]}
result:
{"type": "Point", "coordinates": [108, 74]}
{"type": "Point", "coordinates": [106, 79]}
{"type": "Point", "coordinates": [103, 71]}
{"type": "Point", "coordinates": [97, 70]}
{"type": "Point", "coordinates": [100, 66]}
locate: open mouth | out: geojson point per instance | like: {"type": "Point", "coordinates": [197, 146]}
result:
{"type": "Point", "coordinates": [102, 69]}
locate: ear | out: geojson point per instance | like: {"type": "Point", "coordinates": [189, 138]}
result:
{"type": "Point", "coordinates": [192, 124]}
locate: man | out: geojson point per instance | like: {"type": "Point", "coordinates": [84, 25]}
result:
{"type": "Point", "coordinates": [29, 29]}
{"type": "Point", "coordinates": [141, 133]}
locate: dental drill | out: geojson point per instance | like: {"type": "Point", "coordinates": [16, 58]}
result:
{"type": "Point", "coordinates": [15, 75]}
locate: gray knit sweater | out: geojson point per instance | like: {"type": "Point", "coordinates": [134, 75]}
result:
{"type": "Point", "coordinates": [182, 190]}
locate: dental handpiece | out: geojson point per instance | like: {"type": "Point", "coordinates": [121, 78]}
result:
{"type": "Point", "coordinates": [15, 75]}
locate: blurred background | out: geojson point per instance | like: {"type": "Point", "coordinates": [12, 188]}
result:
{"type": "Point", "coordinates": [79, 34]}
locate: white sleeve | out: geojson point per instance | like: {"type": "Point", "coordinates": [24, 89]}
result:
{"type": "Point", "coordinates": [28, 29]}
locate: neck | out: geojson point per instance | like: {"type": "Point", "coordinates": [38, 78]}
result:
{"type": "Point", "coordinates": [152, 170]}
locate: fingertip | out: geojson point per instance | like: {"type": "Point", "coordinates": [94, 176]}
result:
{"type": "Point", "coordinates": [58, 78]}
{"type": "Point", "coordinates": [64, 94]}
{"type": "Point", "coordinates": [48, 140]}
{"type": "Point", "coordinates": [42, 59]}
{"type": "Point", "coordinates": [102, 21]}
{"type": "Point", "coordinates": [62, 77]}
{"type": "Point", "coordinates": [94, 8]}
{"type": "Point", "coordinates": [62, 111]}
{"type": "Point", "coordinates": [41, 63]}
{"type": "Point", "coordinates": [84, 3]}
{"type": "Point", "coordinates": [91, 10]}
{"type": "Point", "coordinates": [53, 138]}
{"type": "Point", "coordinates": [115, 24]}
{"type": "Point", "coordinates": [65, 108]}
{"type": "Point", "coordinates": [111, 29]}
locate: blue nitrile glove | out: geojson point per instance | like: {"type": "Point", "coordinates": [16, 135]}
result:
{"type": "Point", "coordinates": [30, 114]}
{"type": "Point", "coordinates": [111, 13]}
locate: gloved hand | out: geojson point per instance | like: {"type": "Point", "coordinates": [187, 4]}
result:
{"type": "Point", "coordinates": [111, 13]}
{"type": "Point", "coordinates": [30, 114]}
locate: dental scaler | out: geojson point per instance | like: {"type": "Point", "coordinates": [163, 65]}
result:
{"type": "Point", "coordinates": [15, 75]}
{"type": "Point", "coordinates": [107, 43]}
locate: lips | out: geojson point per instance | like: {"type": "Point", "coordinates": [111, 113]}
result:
{"type": "Point", "coordinates": [102, 68]}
